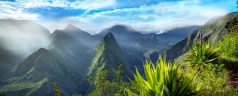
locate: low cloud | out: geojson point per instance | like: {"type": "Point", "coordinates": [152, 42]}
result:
{"type": "Point", "coordinates": [156, 18]}
{"type": "Point", "coordinates": [23, 37]}
{"type": "Point", "coordinates": [97, 14]}
{"type": "Point", "coordinates": [82, 4]}
{"type": "Point", "coordinates": [10, 10]}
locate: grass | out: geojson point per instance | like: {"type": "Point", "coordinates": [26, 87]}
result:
{"type": "Point", "coordinates": [214, 79]}
{"type": "Point", "coordinates": [229, 47]}
{"type": "Point", "coordinates": [211, 73]}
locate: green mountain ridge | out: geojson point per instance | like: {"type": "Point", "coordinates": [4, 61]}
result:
{"type": "Point", "coordinates": [38, 72]}
{"type": "Point", "coordinates": [213, 31]}
{"type": "Point", "coordinates": [108, 55]}
{"type": "Point", "coordinates": [17, 41]}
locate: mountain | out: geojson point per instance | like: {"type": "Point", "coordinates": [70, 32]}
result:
{"type": "Point", "coordinates": [128, 37]}
{"type": "Point", "coordinates": [73, 54]}
{"type": "Point", "coordinates": [125, 34]}
{"type": "Point", "coordinates": [136, 44]}
{"type": "Point", "coordinates": [181, 47]}
{"type": "Point", "coordinates": [19, 39]}
{"type": "Point", "coordinates": [108, 56]}
{"type": "Point", "coordinates": [74, 46]}
{"type": "Point", "coordinates": [65, 61]}
{"type": "Point", "coordinates": [37, 73]}
{"type": "Point", "coordinates": [171, 37]}
{"type": "Point", "coordinates": [75, 33]}
{"type": "Point", "coordinates": [213, 31]}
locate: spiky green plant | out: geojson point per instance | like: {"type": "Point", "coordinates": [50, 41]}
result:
{"type": "Point", "coordinates": [165, 79]}
{"type": "Point", "coordinates": [201, 54]}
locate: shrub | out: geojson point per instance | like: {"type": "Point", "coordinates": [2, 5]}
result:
{"type": "Point", "coordinates": [106, 87]}
{"type": "Point", "coordinates": [201, 54]}
{"type": "Point", "coordinates": [56, 89]}
{"type": "Point", "coordinates": [229, 47]}
{"type": "Point", "coordinates": [165, 80]}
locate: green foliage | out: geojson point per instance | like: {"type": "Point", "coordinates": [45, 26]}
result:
{"type": "Point", "coordinates": [165, 80]}
{"type": "Point", "coordinates": [56, 89]}
{"type": "Point", "coordinates": [212, 75]}
{"type": "Point", "coordinates": [201, 54]}
{"type": "Point", "coordinates": [214, 79]}
{"type": "Point", "coordinates": [229, 47]}
{"type": "Point", "coordinates": [106, 87]}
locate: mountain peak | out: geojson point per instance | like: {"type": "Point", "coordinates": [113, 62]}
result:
{"type": "Point", "coordinates": [109, 40]}
{"type": "Point", "coordinates": [71, 27]}
{"type": "Point", "coordinates": [121, 27]}
{"type": "Point", "coordinates": [108, 55]}
{"type": "Point", "coordinates": [42, 50]}
{"type": "Point", "coordinates": [108, 35]}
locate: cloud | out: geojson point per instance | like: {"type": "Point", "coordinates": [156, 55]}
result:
{"type": "Point", "coordinates": [156, 18]}
{"type": "Point", "coordinates": [95, 15]}
{"type": "Point", "coordinates": [82, 4]}
{"type": "Point", "coordinates": [22, 37]}
{"type": "Point", "coordinates": [11, 10]}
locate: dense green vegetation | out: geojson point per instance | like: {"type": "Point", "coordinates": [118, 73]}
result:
{"type": "Point", "coordinates": [210, 70]}
{"type": "Point", "coordinates": [105, 86]}
{"type": "Point", "coordinates": [229, 47]}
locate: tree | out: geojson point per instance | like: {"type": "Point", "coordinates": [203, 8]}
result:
{"type": "Point", "coordinates": [2, 94]}
{"type": "Point", "coordinates": [105, 86]}
{"type": "Point", "coordinates": [56, 89]}
{"type": "Point", "coordinates": [119, 73]}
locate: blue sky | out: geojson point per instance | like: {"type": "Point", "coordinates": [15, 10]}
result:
{"type": "Point", "coordinates": [95, 15]}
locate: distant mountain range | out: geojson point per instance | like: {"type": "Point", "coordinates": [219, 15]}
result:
{"type": "Point", "coordinates": [71, 55]}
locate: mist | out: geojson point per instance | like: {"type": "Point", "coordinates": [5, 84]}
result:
{"type": "Point", "coordinates": [22, 37]}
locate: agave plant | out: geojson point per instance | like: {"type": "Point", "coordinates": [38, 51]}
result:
{"type": "Point", "coordinates": [201, 54]}
{"type": "Point", "coordinates": [165, 79]}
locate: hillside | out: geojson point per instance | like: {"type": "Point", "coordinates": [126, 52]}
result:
{"type": "Point", "coordinates": [74, 47]}
{"type": "Point", "coordinates": [213, 31]}
{"type": "Point", "coordinates": [37, 73]}
{"type": "Point", "coordinates": [19, 39]}
{"type": "Point", "coordinates": [108, 56]}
